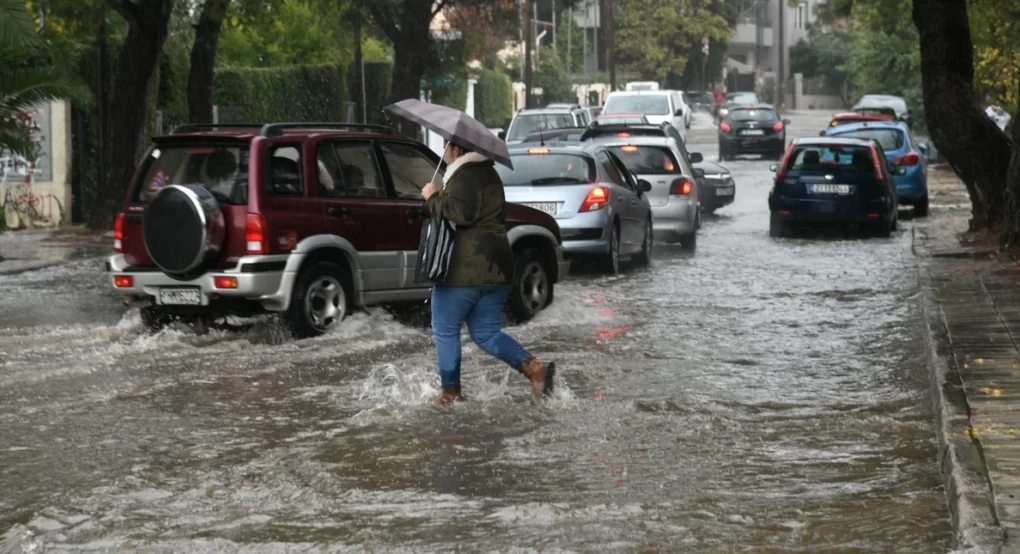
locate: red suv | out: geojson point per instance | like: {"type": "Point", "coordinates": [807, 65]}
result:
{"type": "Point", "coordinates": [310, 220]}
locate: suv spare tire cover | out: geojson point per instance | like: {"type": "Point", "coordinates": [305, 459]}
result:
{"type": "Point", "coordinates": [183, 229]}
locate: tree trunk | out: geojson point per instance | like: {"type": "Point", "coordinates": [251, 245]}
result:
{"type": "Point", "coordinates": [1012, 235]}
{"type": "Point", "coordinates": [412, 48]}
{"type": "Point", "coordinates": [203, 61]}
{"type": "Point", "coordinates": [972, 144]}
{"type": "Point", "coordinates": [136, 64]}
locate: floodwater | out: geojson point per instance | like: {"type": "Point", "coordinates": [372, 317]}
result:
{"type": "Point", "coordinates": [756, 396]}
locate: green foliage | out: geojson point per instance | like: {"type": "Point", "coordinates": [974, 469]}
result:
{"type": "Point", "coordinates": [289, 93]}
{"type": "Point", "coordinates": [824, 54]}
{"type": "Point", "coordinates": [569, 30]}
{"type": "Point", "coordinates": [378, 80]}
{"type": "Point", "coordinates": [659, 37]}
{"type": "Point", "coordinates": [552, 78]}
{"type": "Point", "coordinates": [493, 98]}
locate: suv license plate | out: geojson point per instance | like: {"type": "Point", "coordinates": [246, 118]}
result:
{"type": "Point", "coordinates": [190, 296]}
{"type": "Point", "coordinates": [547, 207]}
{"type": "Point", "coordinates": [830, 189]}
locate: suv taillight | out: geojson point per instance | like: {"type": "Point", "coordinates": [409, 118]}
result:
{"type": "Point", "coordinates": [255, 235]}
{"type": "Point", "coordinates": [597, 199]}
{"type": "Point", "coordinates": [118, 233]}
{"type": "Point", "coordinates": [682, 186]}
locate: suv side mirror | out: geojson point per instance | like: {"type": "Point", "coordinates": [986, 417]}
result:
{"type": "Point", "coordinates": [644, 186]}
{"type": "Point", "coordinates": [774, 168]}
{"type": "Point", "coordinates": [696, 157]}
{"type": "Point", "coordinates": [680, 112]}
{"type": "Point", "coordinates": [699, 173]}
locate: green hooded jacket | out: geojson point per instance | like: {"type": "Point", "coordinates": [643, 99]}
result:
{"type": "Point", "coordinates": [472, 198]}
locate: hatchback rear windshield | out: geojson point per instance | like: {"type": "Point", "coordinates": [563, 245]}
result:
{"type": "Point", "coordinates": [890, 139]}
{"type": "Point", "coordinates": [622, 120]}
{"type": "Point", "coordinates": [651, 104]}
{"type": "Point", "coordinates": [223, 170]}
{"type": "Point", "coordinates": [547, 169]}
{"type": "Point", "coordinates": [524, 125]}
{"type": "Point", "coordinates": [831, 158]}
{"type": "Point", "coordinates": [647, 160]}
{"type": "Point", "coordinates": [764, 116]}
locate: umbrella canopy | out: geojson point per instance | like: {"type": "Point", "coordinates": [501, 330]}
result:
{"type": "Point", "coordinates": [455, 126]}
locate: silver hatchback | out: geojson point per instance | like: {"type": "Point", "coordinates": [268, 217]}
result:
{"type": "Point", "coordinates": [602, 210]}
{"type": "Point", "coordinates": [665, 164]}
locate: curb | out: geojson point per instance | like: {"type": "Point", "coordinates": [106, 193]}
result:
{"type": "Point", "coordinates": [961, 459]}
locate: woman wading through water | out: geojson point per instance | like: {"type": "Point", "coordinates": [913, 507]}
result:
{"type": "Point", "coordinates": [481, 273]}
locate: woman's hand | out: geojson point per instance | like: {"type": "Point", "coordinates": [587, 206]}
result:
{"type": "Point", "coordinates": [428, 190]}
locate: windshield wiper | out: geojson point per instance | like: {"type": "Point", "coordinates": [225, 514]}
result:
{"type": "Point", "coordinates": [558, 180]}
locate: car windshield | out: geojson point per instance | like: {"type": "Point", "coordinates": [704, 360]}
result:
{"type": "Point", "coordinates": [890, 139]}
{"type": "Point", "coordinates": [831, 157]}
{"type": "Point", "coordinates": [882, 102]}
{"type": "Point", "coordinates": [651, 104]}
{"type": "Point", "coordinates": [524, 125]}
{"type": "Point", "coordinates": [764, 116]}
{"type": "Point", "coordinates": [645, 160]}
{"type": "Point", "coordinates": [541, 169]}
{"type": "Point", "coordinates": [223, 170]}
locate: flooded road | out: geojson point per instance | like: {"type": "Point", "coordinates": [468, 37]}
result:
{"type": "Point", "coordinates": [756, 396]}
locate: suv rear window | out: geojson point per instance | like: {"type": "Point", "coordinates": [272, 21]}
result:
{"type": "Point", "coordinates": [831, 158]}
{"type": "Point", "coordinates": [647, 160]}
{"type": "Point", "coordinates": [547, 169]}
{"type": "Point", "coordinates": [223, 170]}
{"type": "Point", "coordinates": [890, 139]}
{"type": "Point", "coordinates": [651, 104]}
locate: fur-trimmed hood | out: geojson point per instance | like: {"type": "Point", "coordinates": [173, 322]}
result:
{"type": "Point", "coordinates": [466, 159]}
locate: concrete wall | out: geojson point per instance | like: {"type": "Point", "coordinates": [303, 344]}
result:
{"type": "Point", "coordinates": [38, 195]}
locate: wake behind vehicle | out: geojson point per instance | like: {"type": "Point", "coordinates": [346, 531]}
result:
{"type": "Point", "coordinates": [904, 154]}
{"type": "Point", "coordinates": [306, 220]}
{"type": "Point", "coordinates": [752, 130]}
{"type": "Point", "coordinates": [833, 181]}
{"type": "Point", "coordinates": [602, 212]}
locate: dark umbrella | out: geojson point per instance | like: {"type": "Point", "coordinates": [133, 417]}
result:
{"type": "Point", "coordinates": [455, 126]}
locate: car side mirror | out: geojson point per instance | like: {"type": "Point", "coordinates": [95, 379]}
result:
{"type": "Point", "coordinates": [644, 186]}
{"type": "Point", "coordinates": [786, 122]}
{"type": "Point", "coordinates": [680, 112]}
{"type": "Point", "coordinates": [774, 168]}
{"type": "Point", "coordinates": [923, 147]}
{"type": "Point", "coordinates": [502, 135]}
{"type": "Point", "coordinates": [696, 157]}
{"type": "Point", "coordinates": [699, 173]}
{"type": "Point", "coordinates": [821, 133]}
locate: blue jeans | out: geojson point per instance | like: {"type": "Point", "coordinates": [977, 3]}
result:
{"type": "Point", "coordinates": [482, 309]}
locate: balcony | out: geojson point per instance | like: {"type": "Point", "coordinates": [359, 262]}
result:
{"type": "Point", "coordinates": [745, 34]}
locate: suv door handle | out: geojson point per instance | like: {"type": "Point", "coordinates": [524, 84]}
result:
{"type": "Point", "coordinates": [415, 213]}
{"type": "Point", "coordinates": [338, 211]}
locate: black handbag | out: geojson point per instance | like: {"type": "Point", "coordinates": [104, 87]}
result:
{"type": "Point", "coordinates": [435, 250]}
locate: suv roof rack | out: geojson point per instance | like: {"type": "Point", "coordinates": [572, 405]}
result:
{"type": "Point", "coordinates": [192, 127]}
{"type": "Point", "coordinates": [276, 129]}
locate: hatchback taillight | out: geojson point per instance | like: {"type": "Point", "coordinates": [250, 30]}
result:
{"type": "Point", "coordinates": [682, 186]}
{"type": "Point", "coordinates": [255, 235]}
{"type": "Point", "coordinates": [778, 126]}
{"type": "Point", "coordinates": [910, 158]}
{"type": "Point", "coordinates": [597, 199]}
{"type": "Point", "coordinates": [118, 233]}
{"type": "Point", "coordinates": [725, 127]}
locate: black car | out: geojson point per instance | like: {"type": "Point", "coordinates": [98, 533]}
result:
{"type": "Point", "coordinates": [701, 101]}
{"type": "Point", "coordinates": [752, 130]}
{"type": "Point", "coordinates": [896, 103]}
{"type": "Point", "coordinates": [735, 100]}
{"type": "Point", "coordinates": [716, 187]}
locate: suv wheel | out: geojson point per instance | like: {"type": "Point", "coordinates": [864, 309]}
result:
{"type": "Point", "coordinates": [154, 318]}
{"type": "Point", "coordinates": [610, 262]}
{"type": "Point", "coordinates": [320, 300]}
{"type": "Point", "coordinates": [532, 289]}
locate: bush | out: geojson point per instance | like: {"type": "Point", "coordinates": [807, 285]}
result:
{"type": "Point", "coordinates": [450, 91]}
{"type": "Point", "coordinates": [494, 98]}
{"type": "Point", "coordinates": [552, 78]}
{"type": "Point", "coordinates": [378, 81]}
{"type": "Point", "coordinates": [288, 93]}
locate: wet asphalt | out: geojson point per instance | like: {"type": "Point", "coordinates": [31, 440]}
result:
{"type": "Point", "coordinates": [758, 395]}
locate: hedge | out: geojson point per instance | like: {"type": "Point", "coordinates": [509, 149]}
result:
{"type": "Point", "coordinates": [289, 93]}
{"type": "Point", "coordinates": [378, 81]}
{"type": "Point", "coordinates": [494, 98]}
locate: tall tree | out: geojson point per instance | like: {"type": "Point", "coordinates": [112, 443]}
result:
{"type": "Point", "coordinates": [978, 151]}
{"type": "Point", "coordinates": [203, 60]}
{"type": "Point", "coordinates": [137, 61]}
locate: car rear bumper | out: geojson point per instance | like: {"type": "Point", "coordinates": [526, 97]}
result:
{"type": "Point", "coordinates": [677, 216]}
{"type": "Point", "coordinates": [910, 187]}
{"type": "Point", "coordinates": [752, 145]}
{"type": "Point", "coordinates": [586, 233]}
{"type": "Point", "coordinates": [712, 200]}
{"type": "Point", "coordinates": [820, 212]}
{"type": "Point", "coordinates": [267, 280]}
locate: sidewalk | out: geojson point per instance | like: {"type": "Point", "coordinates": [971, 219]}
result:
{"type": "Point", "coordinates": [971, 300]}
{"type": "Point", "coordinates": [33, 249]}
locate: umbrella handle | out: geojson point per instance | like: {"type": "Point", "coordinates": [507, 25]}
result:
{"type": "Point", "coordinates": [439, 164]}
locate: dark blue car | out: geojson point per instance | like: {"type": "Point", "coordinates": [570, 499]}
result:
{"type": "Point", "coordinates": [905, 155]}
{"type": "Point", "coordinates": [831, 180]}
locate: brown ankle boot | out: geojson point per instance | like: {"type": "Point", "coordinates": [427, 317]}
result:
{"type": "Point", "coordinates": [540, 374]}
{"type": "Point", "coordinates": [451, 394]}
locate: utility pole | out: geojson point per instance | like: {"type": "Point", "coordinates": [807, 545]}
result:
{"type": "Point", "coordinates": [359, 62]}
{"type": "Point", "coordinates": [781, 74]}
{"type": "Point", "coordinates": [595, 34]}
{"type": "Point", "coordinates": [529, 43]}
{"type": "Point", "coordinates": [610, 25]}
{"type": "Point", "coordinates": [555, 47]}
{"type": "Point", "coordinates": [534, 32]}
{"type": "Point", "coordinates": [587, 12]}
{"type": "Point", "coordinates": [520, 8]}
{"type": "Point", "coordinates": [570, 36]}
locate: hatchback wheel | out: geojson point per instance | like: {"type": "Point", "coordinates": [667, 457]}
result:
{"type": "Point", "coordinates": [644, 258]}
{"type": "Point", "coordinates": [610, 261]}
{"type": "Point", "coordinates": [320, 300]}
{"type": "Point", "coordinates": [921, 208]}
{"type": "Point", "coordinates": [532, 289]}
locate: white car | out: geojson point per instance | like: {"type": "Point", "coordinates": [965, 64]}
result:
{"type": "Point", "coordinates": [658, 106]}
{"type": "Point", "coordinates": [681, 100]}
